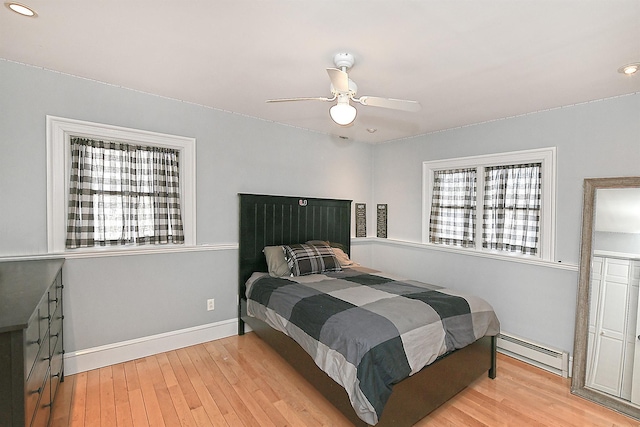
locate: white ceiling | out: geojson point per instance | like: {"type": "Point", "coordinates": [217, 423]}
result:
{"type": "Point", "coordinates": [465, 61]}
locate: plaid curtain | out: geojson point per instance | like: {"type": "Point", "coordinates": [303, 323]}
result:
{"type": "Point", "coordinates": [453, 207]}
{"type": "Point", "coordinates": [122, 194]}
{"type": "Point", "coordinates": [511, 220]}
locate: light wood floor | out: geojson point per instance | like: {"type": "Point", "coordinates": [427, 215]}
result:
{"type": "Point", "coordinates": [240, 381]}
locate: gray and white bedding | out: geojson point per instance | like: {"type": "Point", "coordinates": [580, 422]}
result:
{"type": "Point", "coordinates": [369, 330]}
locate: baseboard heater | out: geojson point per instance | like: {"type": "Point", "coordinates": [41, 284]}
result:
{"type": "Point", "coordinates": [543, 357]}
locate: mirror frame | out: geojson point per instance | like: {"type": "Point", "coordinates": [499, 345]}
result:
{"type": "Point", "coordinates": [591, 185]}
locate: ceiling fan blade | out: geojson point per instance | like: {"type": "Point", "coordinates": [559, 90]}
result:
{"type": "Point", "coordinates": [318, 98]}
{"type": "Point", "coordinates": [339, 80]}
{"type": "Point", "coordinates": [394, 104]}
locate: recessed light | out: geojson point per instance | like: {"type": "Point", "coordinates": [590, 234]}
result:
{"type": "Point", "coordinates": [629, 69]}
{"type": "Point", "coordinates": [21, 9]}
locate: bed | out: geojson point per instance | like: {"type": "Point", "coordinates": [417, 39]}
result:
{"type": "Point", "coordinates": [273, 221]}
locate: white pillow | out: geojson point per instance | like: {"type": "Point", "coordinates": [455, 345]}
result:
{"type": "Point", "coordinates": [276, 263]}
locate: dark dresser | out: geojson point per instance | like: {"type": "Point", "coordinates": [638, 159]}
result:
{"type": "Point", "coordinates": [31, 344]}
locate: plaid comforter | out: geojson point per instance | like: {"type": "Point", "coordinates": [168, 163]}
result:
{"type": "Point", "coordinates": [368, 330]}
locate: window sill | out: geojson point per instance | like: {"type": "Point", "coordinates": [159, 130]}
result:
{"type": "Point", "coordinates": [432, 247]}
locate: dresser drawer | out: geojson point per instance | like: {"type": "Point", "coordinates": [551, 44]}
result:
{"type": "Point", "coordinates": [43, 317]}
{"type": "Point", "coordinates": [35, 386]}
{"type": "Point", "coordinates": [43, 409]}
{"type": "Point", "coordinates": [32, 344]}
{"type": "Point", "coordinates": [35, 335]}
{"type": "Point", "coordinates": [55, 294]}
{"type": "Point", "coordinates": [57, 367]}
{"type": "Point", "coordinates": [55, 329]}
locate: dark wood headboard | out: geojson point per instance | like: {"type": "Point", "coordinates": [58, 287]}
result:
{"type": "Point", "coordinates": [281, 220]}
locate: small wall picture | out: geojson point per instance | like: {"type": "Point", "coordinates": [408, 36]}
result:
{"type": "Point", "coordinates": [361, 220]}
{"type": "Point", "coordinates": [382, 220]}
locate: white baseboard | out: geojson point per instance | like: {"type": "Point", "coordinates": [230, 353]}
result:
{"type": "Point", "coordinates": [110, 354]}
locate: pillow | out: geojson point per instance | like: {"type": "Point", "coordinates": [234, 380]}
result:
{"type": "Point", "coordinates": [334, 245]}
{"type": "Point", "coordinates": [276, 262]}
{"type": "Point", "coordinates": [342, 257]}
{"type": "Point", "coordinates": [318, 243]}
{"type": "Point", "coordinates": [338, 251]}
{"type": "Point", "coordinates": [304, 259]}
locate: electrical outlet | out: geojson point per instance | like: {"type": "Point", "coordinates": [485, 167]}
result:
{"type": "Point", "coordinates": [210, 304]}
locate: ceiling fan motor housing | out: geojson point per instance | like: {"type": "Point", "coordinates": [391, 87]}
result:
{"type": "Point", "coordinates": [345, 60]}
{"type": "Point", "coordinates": [353, 89]}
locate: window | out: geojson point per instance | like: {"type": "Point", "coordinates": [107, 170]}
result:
{"type": "Point", "coordinates": [453, 207]}
{"type": "Point", "coordinates": [117, 187]}
{"type": "Point", "coordinates": [511, 219]}
{"type": "Point", "coordinates": [498, 204]}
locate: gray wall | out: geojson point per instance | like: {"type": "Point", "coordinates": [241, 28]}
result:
{"type": "Point", "coordinates": [119, 298]}
{"type": "Point", "coordinates": [113, 299]}
{"type": "Point", "coordinates": [596, 139]}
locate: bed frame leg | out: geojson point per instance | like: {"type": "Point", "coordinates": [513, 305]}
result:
{"type": "Point", "coordinates": [241, 312]}
{"type": "Point", "coordinates": [492, 370]}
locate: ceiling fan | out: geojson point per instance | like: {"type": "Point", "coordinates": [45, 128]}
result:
{"type": "Point", "coordinates": [343, 89]}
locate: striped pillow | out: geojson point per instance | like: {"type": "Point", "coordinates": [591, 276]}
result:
{"type": "Point", "coordinates": [310, 259]}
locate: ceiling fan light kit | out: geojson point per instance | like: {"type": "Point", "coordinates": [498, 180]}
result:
{"type": "Point", "coordinates": [343, 114]}
{"type": "Point", "coordinates": [343, 89]}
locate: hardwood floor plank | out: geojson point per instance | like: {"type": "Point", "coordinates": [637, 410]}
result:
{"type": "Point", "coordinates": [271, 410]}
{"type": "Point", "coordinates": [491, 411]}
{"type": "Point", "coordinates": [152, 407]}
{"type": "Point", "coordinates": [289, 413]}
{"type": "Point", "coordinates": [79, 400]}
{"type": "Point", "coordinates": [138, 409]}
{"type": "Point", "coordinates": [228, 381]}
{"type": "Point", "coordinates": [107, 399]}
{"type": "Point", "coordinates": [121, 397]}
{"type": "Point", "coordinates": [233, 420]}
{"type": "Point", "coordinates": [208, 372]}
{"type": "Point", "coordinates": [175, 411]}
{"type": "Point", "coordinates": [168, 410]}
{"type": "Point", "coordinates": [201, 418]}
{"type": "Point", "coordinates": [181, 407]}
{"type": "Point", "coordinates": [92, 406]}
{"type": "Point", "coordinates": [181, 363]}
{"type": "Point", "coordinates": [241, 382]}
{"type": "Point", "coordinates": [244, 386]}
{"type": "Point", "coordinates": [208, 403]}
{"type": "Point", "coordinates": [131, 374]}
{"type": "Point", "coordinates": [460, 418]}
{"type": "Point", "coordinates": [166, 368]}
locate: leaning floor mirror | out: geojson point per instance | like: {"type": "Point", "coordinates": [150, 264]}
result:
{"type": "Point", "coordinates": [606, 360]}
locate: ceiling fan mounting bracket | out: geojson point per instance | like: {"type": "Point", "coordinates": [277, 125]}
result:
{"type": "Point", "coordinates": [344, 60]}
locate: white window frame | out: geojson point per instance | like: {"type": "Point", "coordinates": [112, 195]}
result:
{"type": "Point", "coordinates": [59, 131]}
{"type": "Point", "coordinates": [546, 156]}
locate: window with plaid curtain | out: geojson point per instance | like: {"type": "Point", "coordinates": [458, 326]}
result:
{"type": "Point", "coordinates": [123, 194]}
{"type": "Point", "coordinates": [453, 208]}
{"type": "Point", "coordinates": [511, 218]}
